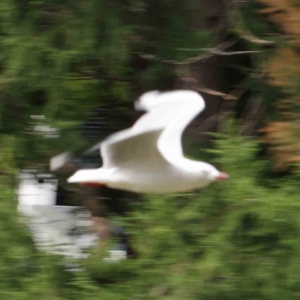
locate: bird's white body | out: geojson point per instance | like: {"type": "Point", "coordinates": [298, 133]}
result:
{"type": "Point", "coordinates": [148, 157]}
{"type": "Point", "coordinates": [168, 179]}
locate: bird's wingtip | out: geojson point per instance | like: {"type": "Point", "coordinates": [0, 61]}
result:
{"type": "Point", "coordinates": [145, 100]}
{"type": "Point", "coordinates": [59, 161]}
{"type": "Point", "coordinates": [93, 148]}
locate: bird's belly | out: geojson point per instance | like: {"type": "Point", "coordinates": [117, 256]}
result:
{"type": "Point", "coordinates": [154, 182]}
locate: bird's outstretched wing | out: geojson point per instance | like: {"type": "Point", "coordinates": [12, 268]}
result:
{"type": "Point", "coordinates": [133, 150]}
{"type": "Point", "coordinates": [155, 139]}
{"type": "Point", "coordinates": [173, 111]}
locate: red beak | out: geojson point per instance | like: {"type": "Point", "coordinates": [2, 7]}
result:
{"type": "Point", "coordinates": [222, 176]}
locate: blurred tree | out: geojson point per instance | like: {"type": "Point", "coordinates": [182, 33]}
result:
{"type": "Point", "coordinates": [281, 133]}
{"type": "Point", "coordinates": [64, 59]}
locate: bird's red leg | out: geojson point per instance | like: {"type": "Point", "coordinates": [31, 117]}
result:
{"type": "Point", "coordinates": [91, 184]}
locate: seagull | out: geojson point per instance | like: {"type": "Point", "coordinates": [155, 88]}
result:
{"type": "Point", "coordinates": [148, 158]}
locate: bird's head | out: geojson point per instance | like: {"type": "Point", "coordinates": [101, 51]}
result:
{"type": "Point", "coordinates": [210, 173]}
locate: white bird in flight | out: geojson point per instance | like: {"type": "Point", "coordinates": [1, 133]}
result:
{"type": "Point", "coordinates": [148, 157]}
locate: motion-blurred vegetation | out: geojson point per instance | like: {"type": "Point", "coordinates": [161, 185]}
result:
{"type": "Point", "coordinates": [62, 59]}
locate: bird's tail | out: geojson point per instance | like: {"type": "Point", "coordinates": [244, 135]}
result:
{"type": "Point", "coordinates": [100, 176]}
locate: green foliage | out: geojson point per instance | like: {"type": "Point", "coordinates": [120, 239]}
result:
{"type": "Point", "coordinates": [231, 240]}
{"type": "Point", "coordinates": [62, 59]}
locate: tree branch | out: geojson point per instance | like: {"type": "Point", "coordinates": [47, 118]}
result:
{"type": "Point", "coordinates": [237, 21]}
{"type": "Point", "coordinates": [217, 93]}
{"type": "Point", "coordinates": [220, 52]}
{"type": "Point", "coordinates": [194, 59]}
